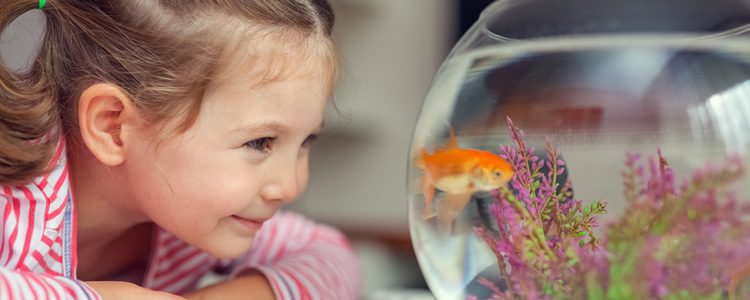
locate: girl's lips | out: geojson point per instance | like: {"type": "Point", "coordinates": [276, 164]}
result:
{"type": "Point", "coordinates": [253, 224]}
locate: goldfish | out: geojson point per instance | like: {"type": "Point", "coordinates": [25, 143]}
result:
{"type": "Point", "coordinates": [459, 173]}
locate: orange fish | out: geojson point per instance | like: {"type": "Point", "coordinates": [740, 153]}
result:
{"type": "Point", "coordinates": [459, 173]}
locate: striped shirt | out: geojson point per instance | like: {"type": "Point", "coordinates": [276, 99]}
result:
{"type": "Point", "coordinates": [301, 259]}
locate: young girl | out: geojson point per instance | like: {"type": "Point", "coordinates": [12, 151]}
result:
{"type": "Point", "coordinates": [154, 141]}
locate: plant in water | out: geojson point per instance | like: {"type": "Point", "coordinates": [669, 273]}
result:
{"type": "Point", "coordinates": [688, 240]}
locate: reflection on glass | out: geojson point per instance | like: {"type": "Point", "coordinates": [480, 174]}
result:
{"type": "Point", "coordinates": [625, 126]}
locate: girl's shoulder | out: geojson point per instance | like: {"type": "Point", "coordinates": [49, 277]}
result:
{"type": "Point", "coordinates": [33, 216]}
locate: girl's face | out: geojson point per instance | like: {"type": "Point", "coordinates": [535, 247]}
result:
{"type": "Point", "coordinates": [245, 156]}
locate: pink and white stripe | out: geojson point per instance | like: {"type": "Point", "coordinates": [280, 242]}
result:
{"type": "Point", "coordinates": [31, 239]}
{"type": "Point", "coordinates": [301, 259]}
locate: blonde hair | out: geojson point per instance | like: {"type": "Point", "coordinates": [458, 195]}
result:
{"type": "Point", "coordinates": [164, 54]}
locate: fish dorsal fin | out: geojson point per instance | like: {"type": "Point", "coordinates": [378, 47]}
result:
{"type": "Point", "coordinates": [452, 141]}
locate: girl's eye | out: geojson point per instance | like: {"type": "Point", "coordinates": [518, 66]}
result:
{"type": "Point", "coordinates": [309, 140]}
{"type": "Point", "coordinates": [263, 145]}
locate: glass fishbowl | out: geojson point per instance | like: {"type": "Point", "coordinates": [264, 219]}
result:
{"type": "Point", "coordinates": [588, 149]}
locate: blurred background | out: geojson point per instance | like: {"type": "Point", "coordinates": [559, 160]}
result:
{"type": "Point", "coordinates": [391, 49]}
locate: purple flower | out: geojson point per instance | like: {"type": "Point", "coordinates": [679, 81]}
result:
{"type": "Point", "coordinates": [674, 237]}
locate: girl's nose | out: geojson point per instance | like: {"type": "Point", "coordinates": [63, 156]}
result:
{"type": "Point", "coordinates": [285, 183]}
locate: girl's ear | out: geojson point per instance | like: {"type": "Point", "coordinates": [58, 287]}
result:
{"type": "Point", "coordinates": [105, 116]}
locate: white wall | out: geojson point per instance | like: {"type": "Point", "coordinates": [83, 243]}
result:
{"type": "Point", "coordinates": [19, 40]}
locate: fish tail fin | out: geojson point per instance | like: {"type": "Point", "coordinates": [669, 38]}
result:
{"type": "Point", "coordinates": [453, 205]}
{"type": "Point", "coordinates": [428, 190]}
{"type": "Point", "coordinates": [452, 141]}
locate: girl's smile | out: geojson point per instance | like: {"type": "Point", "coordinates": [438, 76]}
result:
{"type": "Point", "coordinates": [252, 224]}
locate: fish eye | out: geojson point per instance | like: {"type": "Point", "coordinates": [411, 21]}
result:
{"type": "Point", "coordinates": [498, 173]}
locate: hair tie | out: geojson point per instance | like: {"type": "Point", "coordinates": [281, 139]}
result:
{"type": "Point", "coordinates": [42, 3]}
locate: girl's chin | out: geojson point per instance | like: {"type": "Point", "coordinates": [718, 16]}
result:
{"type": "Point", "coordinates": [230, 250]}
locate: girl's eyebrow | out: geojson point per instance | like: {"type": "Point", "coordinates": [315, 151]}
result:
{"type": "Point", "coordinates": [271, 126]}
{"type": "Point", "coordinates": [262, 126]}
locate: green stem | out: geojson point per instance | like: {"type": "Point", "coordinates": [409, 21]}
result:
{"type": "Point", "coordinates": [535, 232]}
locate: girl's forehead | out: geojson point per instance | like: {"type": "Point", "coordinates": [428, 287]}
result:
{"type": "Point", "coordinates": [266, 60]}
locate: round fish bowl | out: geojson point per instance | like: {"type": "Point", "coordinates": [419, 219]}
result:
{"type": "Point", "coordinates": [588, 149]}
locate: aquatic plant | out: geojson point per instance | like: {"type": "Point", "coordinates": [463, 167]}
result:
{"type": "Point", "coordinates": [687, 240]}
